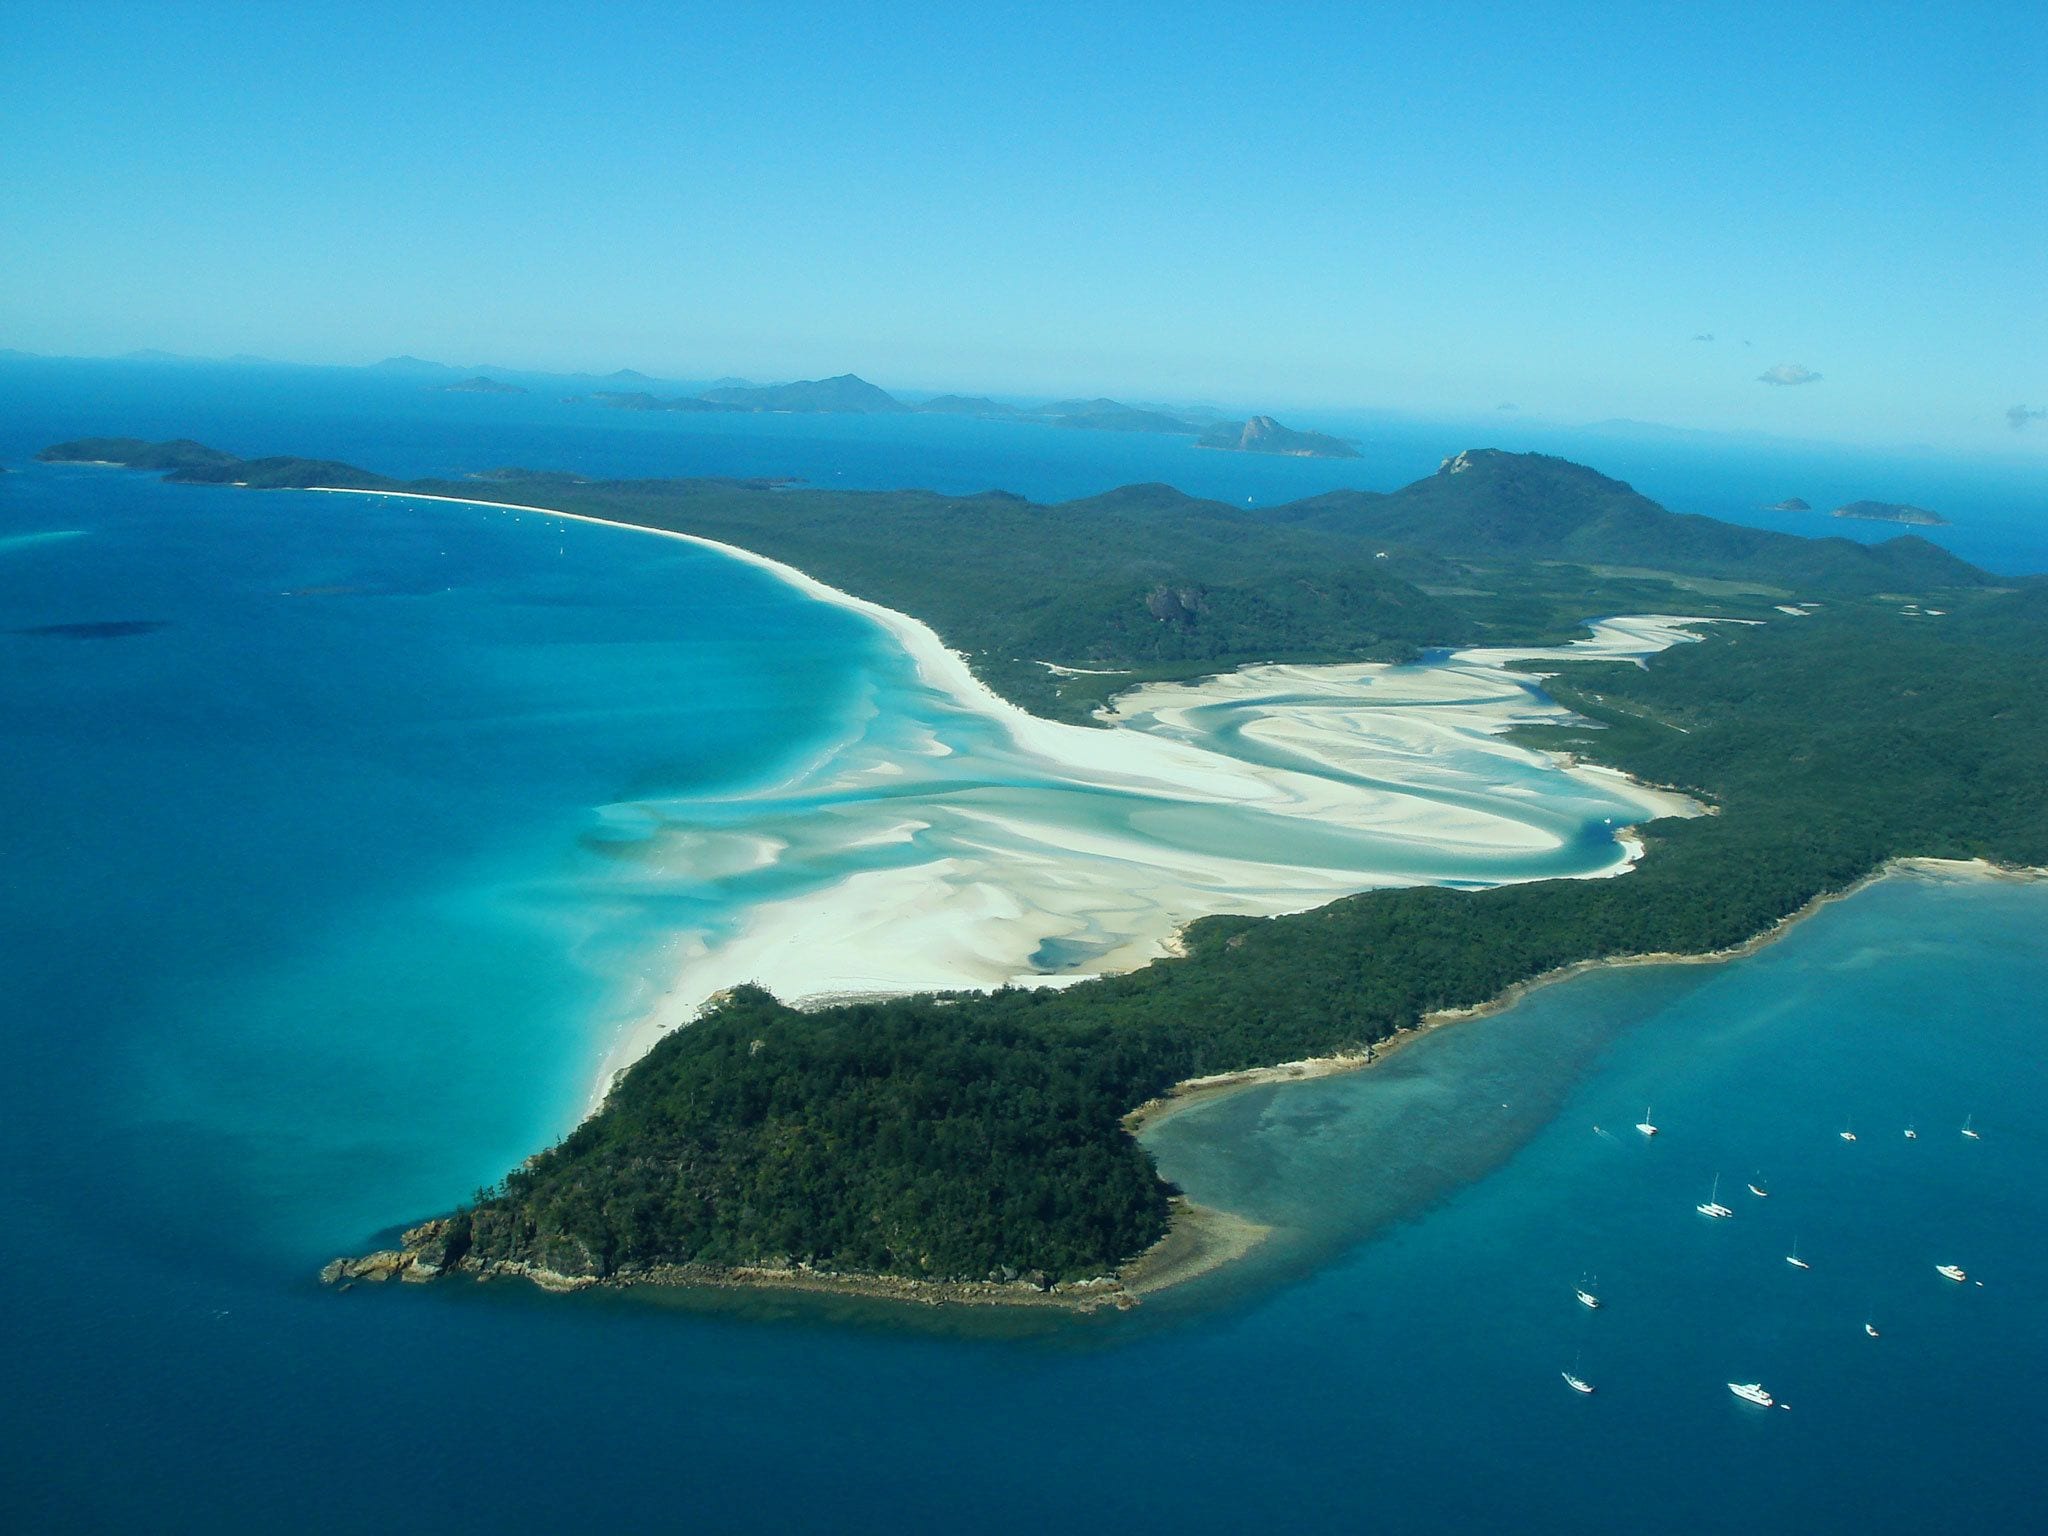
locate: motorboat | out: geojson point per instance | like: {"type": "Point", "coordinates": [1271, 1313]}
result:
{"type": "Point", "coordinates": [1753, 1392]}
{"type": "Point", "coordinates": [1953, 1272]}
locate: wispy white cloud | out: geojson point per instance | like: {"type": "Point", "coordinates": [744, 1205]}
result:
{"type": "Point", "coordinates": [1787, 373]}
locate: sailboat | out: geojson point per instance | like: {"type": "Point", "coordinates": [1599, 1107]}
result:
{"type": "Point", "coordinates": [1848, 1130]}
{"type": "Point", "coordinates": [1645, 1125]}
{"type": "Point", "coordinates": [1575, 1381]}
{"type": "Point", "coordinates": [1713, 1206]}
{"type": "Point", "coordinates": [1793, 1258]}
{"type": "Point", "coordinates": [1911, 1134]}
{"type": "Point", "coordinates": [1587, 1299]}
{"type": "Point", "coordinates": [1974, 1135]}
{"type": "Point", "coordinates": [1757, 1188]}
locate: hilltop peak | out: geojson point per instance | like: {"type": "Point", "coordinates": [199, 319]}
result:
{"type": "Point", "coordinates": [1262, 434]}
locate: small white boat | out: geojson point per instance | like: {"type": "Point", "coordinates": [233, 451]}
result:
{"type": "Point", "coordinates": [1911, 1134]}
{"type": "Point", "coordinates": [1974, 1135]}
{"type": "Point", "coordinates": [1753, 1392]}
{"type": "Point", "coordinates": [1588, 1299]}
{"type": "Point", "coordinates": [1759, 1191]}
{"type": "Point", "coordinates": [1713, 1206]}
{"type": "Point", "coordinates": [1849, 1130]}
{"type": "Point", "coordinates": [1645, 1125]}
{"type": "Point", "coordinates": [1577, 1383]}
{"type": "Point", "coordinates": [1951, 1272]}
{"type": "Point", "coordinates": [1871, 1329]}
{"type": "Point", "coordinates": [1793, 1258]}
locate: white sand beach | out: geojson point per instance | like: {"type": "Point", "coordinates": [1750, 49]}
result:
{"type": "Point", "coordinates": [1269, 790]}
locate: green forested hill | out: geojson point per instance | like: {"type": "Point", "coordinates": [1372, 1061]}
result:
{"type": "Point", "coordinates": [1488, 505]}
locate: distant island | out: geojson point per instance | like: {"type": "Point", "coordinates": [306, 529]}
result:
{"type": "Point", "coordinates": [845, 394]}
{"type": "Point", "coordinates": [1262, 434]}
{"type": "Point", "coordinates": [190, 463]}
{"type": "Point", "coordinates": [642, 400]}
{"type": "Point", "coordinates": [1892, 512]}
{"type": "Point", "coordinates": [481, 386]}
{"type": "Point", "coordinates": [1790, 504]}
{"type": "Point", "coordinates": [849, 394]}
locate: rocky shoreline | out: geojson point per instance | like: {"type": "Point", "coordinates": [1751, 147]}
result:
{"type": "Point", "coordinates": [432, 1251]}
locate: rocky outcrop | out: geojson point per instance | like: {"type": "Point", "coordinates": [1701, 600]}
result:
{"type": "Point", "coordinates": [1262, 434]}
{"type": "Point", "coordinates": [428, 1251]}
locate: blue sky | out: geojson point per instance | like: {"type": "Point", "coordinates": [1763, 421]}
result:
{"type": "Point", "coordinates": [1430, 209]}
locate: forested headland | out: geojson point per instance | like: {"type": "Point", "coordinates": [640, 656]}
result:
{"type": "Point", "coordinates": [980, 1137]}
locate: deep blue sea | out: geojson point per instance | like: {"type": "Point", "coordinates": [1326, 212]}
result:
{"type": "Point", "coordinates": [312, 920]}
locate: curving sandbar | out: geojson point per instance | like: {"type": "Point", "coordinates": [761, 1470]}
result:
{"type": "Point", "coordinates": [948, 840]}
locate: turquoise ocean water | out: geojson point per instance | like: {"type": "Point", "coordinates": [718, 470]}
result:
{"type": "Point", "coordinates": [314, 919]}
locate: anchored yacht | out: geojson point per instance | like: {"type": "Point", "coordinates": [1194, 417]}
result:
{"type": "Point", "coordinates": [1577, 1383]}
{"type": "Point", "coordinates": [1713, 1206]}
{"type": "Point", "coordinates": [1588, 1299]}
{"type": "Point", "coordinates": [1951, 1272]}
{"type": "Point", "coordinates": [1753, 1392]}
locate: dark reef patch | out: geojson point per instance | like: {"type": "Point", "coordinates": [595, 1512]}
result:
{"type": "Point", "coordinates": [105, 629]}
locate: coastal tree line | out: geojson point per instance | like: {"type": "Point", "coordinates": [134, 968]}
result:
{"type": "Point", "coordinates": [968, 1136]}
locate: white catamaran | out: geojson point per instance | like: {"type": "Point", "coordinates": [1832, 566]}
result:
{"type": "Point", "coordinates": [1646, 1125]}
{"type": "Point", "coordinates": [1713, 1206]}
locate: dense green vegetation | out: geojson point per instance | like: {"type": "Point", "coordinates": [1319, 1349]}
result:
{"type": "Point", "coordinates": [965, 1136]}
{"type": "Point", "coordinates": [962, 1136]}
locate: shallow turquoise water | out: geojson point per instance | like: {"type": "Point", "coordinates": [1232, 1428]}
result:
{"type": "Point", "coordinates": [275, 869]}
